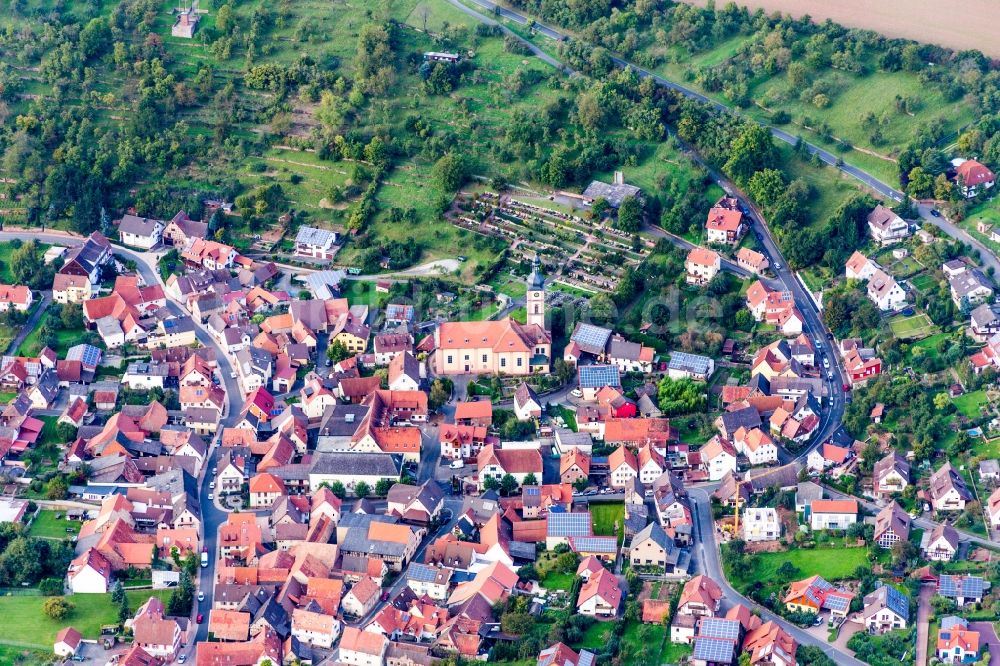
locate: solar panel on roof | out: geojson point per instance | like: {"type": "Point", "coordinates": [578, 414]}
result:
{"type": "Point", "coordinates": [569, 524]}
{"type": "Point", "coordinates": [972, 586]}
{"type": "Point", "coordinates": [588, 335]}
{"type": "Point", "coordinates": [717, 627]}
{"type": "Point", "coordinates": [599, 376]}
{"type": "Point", "coordinates": [421, 573]}
{"type": "Point", "coordinates": [947, 586]}
{"type": "Point", "coordinates": [595, 544]}
{"type": "Point", "coordinates": [836, 602]}
{"type": "Point", "coordinates": [690, 362]}
{"type": "Point", "coordinates": [716, 650]}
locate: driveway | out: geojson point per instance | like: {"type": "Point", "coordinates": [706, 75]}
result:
{"type": "Point", "coordinates": [988, 636]}
{"type": "Point", "coordinates": [923, 623]}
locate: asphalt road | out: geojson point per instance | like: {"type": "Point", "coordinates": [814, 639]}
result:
{"type": "Point", "coordinates": [707, 558]}
{"type": "Point", "coordinates": [212, 516]}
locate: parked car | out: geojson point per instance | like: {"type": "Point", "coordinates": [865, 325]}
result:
{"type": "Point", "coordinates": [457, 464]}
{"type": "Point", "coordinates": [826, 363]}
{"type": "Point", "coordinates": [201, 596]}
{"type": "Point", "coordinates": [576, 393]}
{"type": "Point", "coordinates": [935, 213]}
{"type": "Point", "coordinates": [385, 596]}
{"type": "Point", "coordinates": [200, 618]}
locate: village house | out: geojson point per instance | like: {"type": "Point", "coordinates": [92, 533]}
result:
{"type": "Point", "coordinates": [890, 475]}
{"type": "Point", "coordinates": [969, 286]}
{"type": "Point", "coordinates": [941, 544]}
{"type": "Point", "coordinates": [315, 243]}
{"type": "Point", "coordinates": [751, 260]}
{"type": "Point", "coordinates": [494, 462]}
{"type": "Point", "coordinates": [140, 232]}
{"type": "Point", "coordinates": [701, 266]}
{"type": "Point", "coordinates": [815, 594]}
{"type": "Point", "coordinates": [600, 596]}
{"type": "Point", "coordinates": [830, 514]}
{"type": "Point", "coordinates": [651, 547]}
{"type": "Point", "coordinates": [683, 365]}
{"type": "Point", "coordinates": [885, 226]}
{"type": "Point", "coordinates": [725, 224]}
{"type": "Point", "coordinates": [956, 643]}
{"type": "Point", "coordinates": [17, 297]}
{"type": "Point", "coordinates": [972, 177]}
{"type": "Point", "coordinates": [892, 525]}
{"type": "Point", "coordinates": [885, 292]}
{"type": "Point", "coordinates": [860, 267]}
{"type": "Point", "coordinates": [947, 490]}
{"type": "Point", "coordinates": [886, 609]}
{"type": "Point", "coordinates": [181, 230]}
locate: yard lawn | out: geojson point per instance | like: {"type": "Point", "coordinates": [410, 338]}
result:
{"type": "Point", "coordinates": [28, 626]}
{"type": "Point", "coordinates": [924, 281]}
{"type": "Point", "coordinates": [913, 327]}
{"type": "Point", "coordinates": [47, 526]}
{"type": "Point", "coordinates": [596, 636]}
{"type": "Point", "coordinates": [605, 516]}
{"type": "Point", "coordinates": [558, 581]}
{"type": "Point", "coordinates": [6, 250]}
{"type": "Point", "coordinates": [831, 563]}
{"type": "Point", "coordinates": [33, 342]}
{"type": "Point", "coordinates": [929, 344]}
{"type": "Point", "coordinates": [649, 645]}
{"type": "Point", "coordinates": [968, 404]}
{"type": "Point", "coordinates": [16, 656]}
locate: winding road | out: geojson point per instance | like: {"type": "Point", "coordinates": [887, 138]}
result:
{"type": "Point", "coordinates": [707, 555]}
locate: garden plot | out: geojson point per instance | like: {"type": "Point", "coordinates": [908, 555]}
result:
{"type": "Point", "coordinates": [588, 256]}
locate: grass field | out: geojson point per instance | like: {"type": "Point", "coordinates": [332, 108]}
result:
{"type": "Point", "coordinates": [929, 345]}
{"type": "Point", "coordinates": [831, 563]}
{"type": "Point", "coordinates": [26, 625]}
{"type": "Point", "coordinates": [968, 404]}
{"type": "Point", "coordinates": [924, 282]}
{"type": "Point", "coordinates": [605, 516]}
{"type": "Point", "coordinates": [649, 645]}
{"type": "Point", "coordinates": [17, 656]}
{"type": "Point", "coordinates": [47, 526]}
{"type": "Point", "coordinates": [33, 342]}
{"type": "Point", "coordinates": [913, 327]}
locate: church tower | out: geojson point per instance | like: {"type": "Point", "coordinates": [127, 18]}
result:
{"type": "Point", "coordinates": [536, 295]}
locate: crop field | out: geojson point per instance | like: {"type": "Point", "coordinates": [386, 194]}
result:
{"type": "Point", "coordinates": [912, 328]}
{"type": "Point", "coordinates": [962, 25]}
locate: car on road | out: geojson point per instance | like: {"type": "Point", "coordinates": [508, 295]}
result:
{"type": "Point", "coordinates": [935, 213]}
{"type": "Point", "coordinates": [204, 558]}
{"type": "Point", "coordinates": [385, 596]}
{"type": "Point", "coordinates": [211, 484]}
{"type": "Point", "coordinates": [846, 387]}
{"type": "Point", "coordinates": [826, 363]}
{"type": "Point", "coordinates": [329, 362]}
{"type": "Point", "coordinates": [211, 496]}
{"type": "Point", "coordinates": [182, 658]}
{"type": "Point", "coordinates": [818, 621]}
{"type": "Point", "coordinates": [232, 375]}
{"type": "Point", "coordinates": [200, 618]}
{"type": "Point", "coordinates": [777, 266]}
{"type": "Point", "coordinates": [576, 393]}
{"type": "Point", "coordinates": [215, 470]}
{"type": "Point", "coordinates": [201, 596]}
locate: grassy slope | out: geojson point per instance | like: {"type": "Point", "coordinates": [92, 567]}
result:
{"type": "Point", "coordinates": [875, 92]}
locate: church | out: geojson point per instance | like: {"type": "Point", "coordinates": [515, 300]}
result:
{"type": "Point", "coordinates": [498, 347]}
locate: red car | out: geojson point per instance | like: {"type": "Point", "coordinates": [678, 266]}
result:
{"type": "Point", "coordinates": [847, 387]}
{"type": "Point", "coordinates": [200, 618]}
{"type": "Point", "coordinates": [385, 596]}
